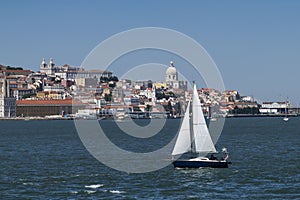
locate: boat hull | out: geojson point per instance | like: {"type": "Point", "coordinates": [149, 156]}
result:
{"type": "Point", "coordinates": [198, 164]}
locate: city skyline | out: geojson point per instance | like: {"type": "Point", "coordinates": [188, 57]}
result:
{"type": "Point", "coordinates": [253, 44]}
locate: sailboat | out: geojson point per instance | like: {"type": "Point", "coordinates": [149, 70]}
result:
{"type": "Point", "coordinates": [196, 139]}
{"type": "Point", "coordinates": [285, 111]}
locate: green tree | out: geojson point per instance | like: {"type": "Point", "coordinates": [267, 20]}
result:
{"type": "Point", "coordinates": [103, 79]}
{"type": "Point", "coordinates": [29, 95]}
{"type": "Point", "coordinates": [107, 97]}
{"type": "Point", "coordinates": [113, 78]}
{"type": "Point", "coordinates": [136, 109]}
{"type": "Point", "coordinates": [14, 68]}
{"type": "Point", "coordinates": [148, 107]}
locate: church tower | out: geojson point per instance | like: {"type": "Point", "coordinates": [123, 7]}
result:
{"type": "Point", "coordinates": [47, 69]}
{"type": "Point", "coordinates": [43, 64]}
{"type": "Point", "coordinates": [51, 63]}
{"type": "Point", "coordinates": [51, 66]}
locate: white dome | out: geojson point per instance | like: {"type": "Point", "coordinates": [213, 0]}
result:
{"type": "Point", "coordinates": [171, 69]}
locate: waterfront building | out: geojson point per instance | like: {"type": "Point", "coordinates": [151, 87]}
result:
{"type": "Point", "coordinates": [45, 107]}
{"type": "Point", "coordinates": [274, 107]}
{"type": "Point", "coordinates": [7, 106]}
{"type": "Point", "coordinates": [7, 103]}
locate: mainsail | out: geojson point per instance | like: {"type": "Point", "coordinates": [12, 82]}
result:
{"type": "Point", "coordinates": [183, 143]}
{"type": "Point", "coordinates": [203, 141]}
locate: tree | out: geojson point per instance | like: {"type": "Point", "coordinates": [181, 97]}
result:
{"type": "Point", "coordinates": [113, 78]}
{"type": "Point", "coordinates": [14, 68]}
{"type": "Point", "coordinates": [103, 79]}
{"type": "Point", "coordinates": [247, 110]}
{"type": "Point", "coordinates": [112, 85]}
{"type": "Point", "coordinates": [148, 107]}
{"type": "Point", "coordinates": [107, 97]}
{"type": "Point", "coordinates": [136, 109]}
{"type": "Point", "coordinates": [29, 95]}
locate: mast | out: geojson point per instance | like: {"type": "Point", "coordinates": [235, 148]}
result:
{"type": "Point", "coordinates": [193, 145]}
{"type": "Point", "coordinates": [192, 136]}
{"type": "Point", "coordinates": [286, 104]}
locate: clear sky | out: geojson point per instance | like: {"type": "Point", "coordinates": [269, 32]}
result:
{"type": "Point", "coordinates": [255, 44]}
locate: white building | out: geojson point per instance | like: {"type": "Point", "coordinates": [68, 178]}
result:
{"type": "Point", "coordinates": [47, 69]}
{"type": "Point", "coordinates": [67, 72]}
{"type": "Point", "coordinates": [247, 98]}
{"type": "Point", "coordinates": [273, 107]}
{"type": "Point", "coordinates": [172, 78]}
{"type": "Point", "coordinates": [7, 104]}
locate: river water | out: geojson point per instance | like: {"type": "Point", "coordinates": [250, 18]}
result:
{"type": "Point", "coordinates": [43, 159]}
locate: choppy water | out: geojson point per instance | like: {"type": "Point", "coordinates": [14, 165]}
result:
{"type": "Point", "coordinates": [46, 160]}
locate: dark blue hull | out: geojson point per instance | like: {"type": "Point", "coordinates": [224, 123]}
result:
{"type": "Point", "coordinates": [198, 164]}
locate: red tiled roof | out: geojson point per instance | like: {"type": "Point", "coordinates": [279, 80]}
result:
{"type": "Point", "coordinates": [15, 70]}
{"type": "Point", "coordinates": [48, 102]}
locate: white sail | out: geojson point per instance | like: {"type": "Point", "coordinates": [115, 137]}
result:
{"type": "Point", "coordinates": [203, 141]}
{"type": "Point", "coordinates": [183, 142]}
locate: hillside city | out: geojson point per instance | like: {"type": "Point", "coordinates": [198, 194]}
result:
{"type": "Point", "coordinates": [73, 92]}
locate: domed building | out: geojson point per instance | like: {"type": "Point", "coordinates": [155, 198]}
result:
{"type": "Point", "coordinates": [171, 73]}
{"type": "Point", "coordinates": [172, 78]}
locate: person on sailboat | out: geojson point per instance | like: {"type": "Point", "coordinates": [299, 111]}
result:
{"type": "Point", "coordinates": [212, 157]}
{"type": "Point", "coordinates": [226, 158]}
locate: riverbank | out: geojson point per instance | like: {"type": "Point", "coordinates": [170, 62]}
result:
{"type": "Point", "coordinates": [111, 118]}
{"type": "Point", "coordinates": [261, 115]}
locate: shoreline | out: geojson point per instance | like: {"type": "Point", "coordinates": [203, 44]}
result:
{"type": "Point", "coordinates": [70, 118]}
{"type": "Point", "coordinates": [260, 115]}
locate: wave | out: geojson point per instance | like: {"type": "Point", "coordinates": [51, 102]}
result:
{"type": "Point", "coordinates": [28, 183]}
{"type": "Point", "coordinates": [90, 191]}
{"type": "Point", "coordinates": [116, 191]}
{"type": "Point", "coordinates": [94, 186]}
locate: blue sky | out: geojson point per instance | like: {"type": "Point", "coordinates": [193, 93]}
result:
{"type": "Point", "coordinates": [255, 44]}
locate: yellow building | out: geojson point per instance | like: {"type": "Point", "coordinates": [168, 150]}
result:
{"type": "Point", "coordinates": [48, 95]}
{"type": "Point", "coordinates": [105, 91]}
{"type": "Point", "coordinates": [160, 85]}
